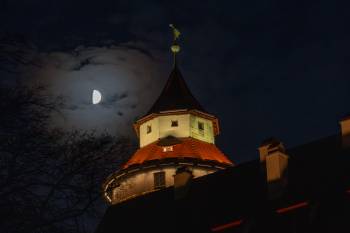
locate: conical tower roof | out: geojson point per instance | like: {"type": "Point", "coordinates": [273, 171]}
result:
{"type": "Point", "coordinates": [175, 95]}
{"type": "Point", "coordinates": [175, 134]}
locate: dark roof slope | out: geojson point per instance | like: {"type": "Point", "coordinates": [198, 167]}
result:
{"type": "Point", "coordinates": [318, 174]}
{"type": "Point", "coordinates": [175, 95]}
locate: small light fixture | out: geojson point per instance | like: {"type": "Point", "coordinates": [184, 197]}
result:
{"type": "Point", "coordinates": [168, 148]}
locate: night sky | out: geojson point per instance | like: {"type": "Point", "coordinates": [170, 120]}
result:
{"type": "Point", "coordinates": [264, 68]}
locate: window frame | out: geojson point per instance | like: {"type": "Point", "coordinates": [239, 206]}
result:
{"type": "Point", "coordinates": [174, 123]}
{"type": "Point", "coordinates": [149, 129]}
{"type": "Point", "coordinates": [200, 126]}
{"type": "Point", "coordinates": [159, 180]}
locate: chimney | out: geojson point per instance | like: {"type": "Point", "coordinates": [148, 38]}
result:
{"type": "Point", "coordinates": [345, 131]}
{"type": "Point", "coordinates": [274, 163]}
{"type": "Point", "coordinates": [182, 181]}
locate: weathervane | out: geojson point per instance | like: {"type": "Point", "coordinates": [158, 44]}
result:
{"type": "Point", "coordinates": [175, 48]}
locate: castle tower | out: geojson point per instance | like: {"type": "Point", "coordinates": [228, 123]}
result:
{"type": "Point", "coordinates": [176, 135]}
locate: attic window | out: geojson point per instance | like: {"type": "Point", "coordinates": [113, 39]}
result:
{"type": "Point", "coordinates": [174, 123]}
{"type": "Point", "coordinates": [159, 180]}
{"type": "Point", "coordinates": [149, 129]}
{"type": "Point", "coordinates": [167, 148]}
{"type": "Point", "coordinates": [200, 126]}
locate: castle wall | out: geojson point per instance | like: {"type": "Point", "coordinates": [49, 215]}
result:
{"type": "Point", "coordinates": [142, 182]}
{"type": "Point", "coordinates": [187, 126]}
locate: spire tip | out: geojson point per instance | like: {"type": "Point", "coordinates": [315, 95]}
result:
{"type": "Point", "coordinates": [175, 48]}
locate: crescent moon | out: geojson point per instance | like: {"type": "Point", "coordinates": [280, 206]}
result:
{"type": "Point", "coordinates": [96, 97]}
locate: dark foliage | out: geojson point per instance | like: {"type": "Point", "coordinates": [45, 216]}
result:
{"type": "Point", "coordinates": [50, 180]}
{"type": "Point", "coordinates": [15, 52]}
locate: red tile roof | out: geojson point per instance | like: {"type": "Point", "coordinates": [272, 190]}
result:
{"type": "Point", "coordinates": [188, 148]}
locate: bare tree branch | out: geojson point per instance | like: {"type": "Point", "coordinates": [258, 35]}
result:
{"type": "Point", "coordinates": [49, 179]}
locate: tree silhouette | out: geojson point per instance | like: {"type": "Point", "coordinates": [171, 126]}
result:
{"type": "Point", "coordinates": [15, 52]}
{"type": "Point", "coordinates": [50, 179]}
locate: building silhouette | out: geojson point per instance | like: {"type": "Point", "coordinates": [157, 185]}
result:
{"type": "Point", "coordinates": [179, 181]}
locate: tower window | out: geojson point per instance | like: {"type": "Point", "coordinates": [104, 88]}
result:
{"type": "Point", "coordinates": [167, 148]}
{"type": "Point", "coordinates": [159, 180]}
{"type": "Point", "coordinates": [174, 123]}
{"type": "Point", "coordinates": [200, 126]}
{"type": "Point", "coordinates": [149, 129]}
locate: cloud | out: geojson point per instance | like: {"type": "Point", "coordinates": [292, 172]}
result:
{"type": "Point", "coordinates": [129, 80]}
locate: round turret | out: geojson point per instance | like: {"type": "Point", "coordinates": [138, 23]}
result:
{"type": "Point", "coordinates": [176, 135]}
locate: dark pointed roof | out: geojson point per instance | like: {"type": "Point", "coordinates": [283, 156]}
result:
{"type": "Point", "coordinates": [175, 95]}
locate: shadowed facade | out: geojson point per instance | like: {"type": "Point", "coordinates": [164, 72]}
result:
{"type": "Point", "coordinates": [179, 181]}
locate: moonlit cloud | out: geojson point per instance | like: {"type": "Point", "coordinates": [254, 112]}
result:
{"type": "Point", "coordinates": [278, 67]}
{"type": "Point", "coordinates": [128, 79]}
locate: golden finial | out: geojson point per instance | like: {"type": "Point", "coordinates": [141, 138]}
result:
{"type": "Point", "coordinates": [175, 48]}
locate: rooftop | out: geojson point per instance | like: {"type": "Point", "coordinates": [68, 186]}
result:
{"type": "Point", "coordinates": [175, 95]}
{"type": "Point", "coordinates": [235, 199]}
{"type": "Point", "coordinates": [181, 148]}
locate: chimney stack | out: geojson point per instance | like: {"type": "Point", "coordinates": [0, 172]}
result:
{"type": "Point", "coordinates": [182, 181]}
{"type": "Point", "coordinates": [274, 161]}
{"type": "Point", "coordinates": [345, 131]}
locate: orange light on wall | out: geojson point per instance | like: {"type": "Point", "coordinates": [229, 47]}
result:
{"type": "Point", "coordinates": [227, 225]}
{"type": "Point", "coordinates": [292, 207]}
